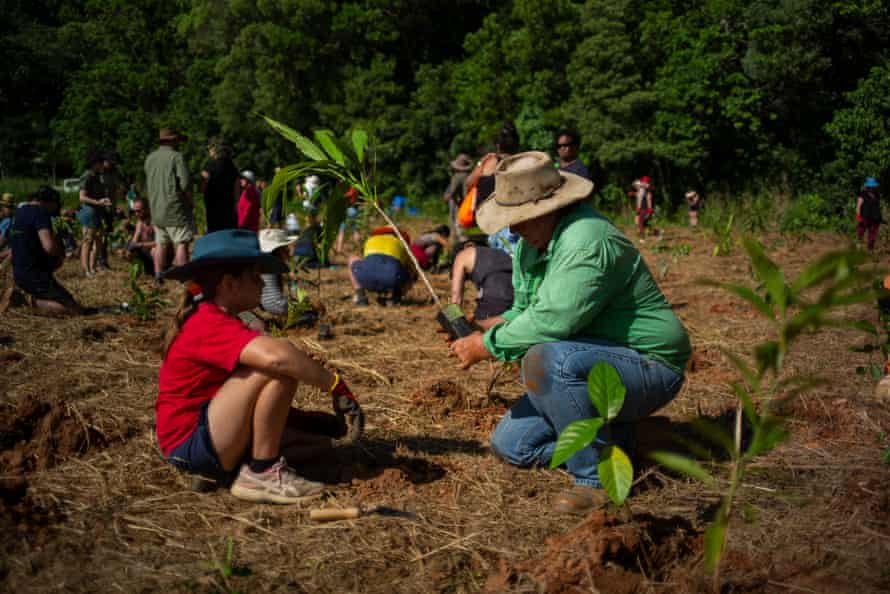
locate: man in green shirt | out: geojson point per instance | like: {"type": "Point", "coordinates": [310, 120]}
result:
{"type": "Point", "coordinates": [582, 294]}
{"type": "Point", "coordinates": [170, 201]}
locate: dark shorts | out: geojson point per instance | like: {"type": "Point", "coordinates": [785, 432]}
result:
{"type": "Point", "coordinates": [88, 217]}
{"type": "Point", "coordinates": [379, 273]}
{"type": "Point", "coordinates": [47, 289]}
{"type": "Point", "coordinates": [196, 453]}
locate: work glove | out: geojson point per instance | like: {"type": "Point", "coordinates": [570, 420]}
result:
{"type": "Point", "coordinates": [346, 407]}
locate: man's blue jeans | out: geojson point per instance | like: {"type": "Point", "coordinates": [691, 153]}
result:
{"type": "Point", "coordinates": [555, 377]}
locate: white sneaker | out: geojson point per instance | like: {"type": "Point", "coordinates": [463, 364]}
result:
{"type": "Point", "coordinates": [278, 484]}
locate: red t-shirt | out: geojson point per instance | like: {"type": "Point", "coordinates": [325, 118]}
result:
{"type": "Point", "coordinates": [202, 357]}
{"type": "Point", "coordinates": [249, 209]}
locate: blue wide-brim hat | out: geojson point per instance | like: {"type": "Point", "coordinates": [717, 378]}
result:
{"type": "Point", "coordinates": [871, 182]}
{"type": "Point", "coordinates": [230, 246]}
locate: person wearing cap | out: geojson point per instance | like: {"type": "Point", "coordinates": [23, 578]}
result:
{"type": "Point", "coordinates": [36, 253]}
{"type": "Point", "coordinates": [457, 189]}
{"type": "Point", "coordinates": [273, 298]}
{"type": "Point", "coordinates": [642, 194]}
{"type": "Point", "coordinates": [582, 295]}
{"type": "Point", "coordinates": [868, 212]}
{"type": "Point", "coordinates": [95, 203]}
{"type": "Point", "coordinates": [225, 391]}
{"type": "Point", "coordinates": [249, 202]}
{"type": "Point", "coordinates": [693, 200]}
{"type": "Point", "coordinates": [170, 200]}
{"type": "Point", "coordinates": [221, 185]}
{"type": "Point", "coordinates": [567, 144]}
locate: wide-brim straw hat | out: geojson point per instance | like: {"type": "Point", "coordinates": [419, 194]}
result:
{"type": "Point", "coordinates": [171, 134]}
{"type": "Point", "coordinates": [527, 186]}
{"type": "Point", "coordinates": [691, 195]}
{"type": "Point", "coordinates": [272, 239]}
{"type": "Point", "coordinates": [462, 162]}
{"type": "Point", "coordinates": [229, 246]}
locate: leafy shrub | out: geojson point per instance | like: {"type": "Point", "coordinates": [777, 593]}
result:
{"type": "Point", "coordinates": [808, 212]}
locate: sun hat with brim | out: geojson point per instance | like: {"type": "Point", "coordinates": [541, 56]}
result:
{"type": "Point", "coordinates": [871, 182]}
{"type": "Point", "coordinates": [272, 239]}
{"type": "Point", "coordinates": [229, 246]}
{"type": "Point", "coordinates": [527, 186]}
{"type": "Point", "coordinates": [462, 162]}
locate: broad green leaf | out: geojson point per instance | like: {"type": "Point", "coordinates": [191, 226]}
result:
{"type": "Point", "coordinates": [768, 433]}
{"type": "Point", "coordinates": [327, 141]}
{"type": "Point", "coordinates": [877, 372]}
{"type": "Point", "coordinates": [305, 146]}
{"type": "Point", "coordinates": [768, 272]}
{"type": "Point", "coordinates": [684, 465]}
{"type": "Point", "coordinates": [715, 538]}
{"type": "Point", "coordinates": [575, 437]}
{"type": "Point", "coordinates": [333, 213]}
{"type": "Point", "coordinates": [616, 472]}
{"type": "Point", "coordinates": [747, 372]}
{"type": "Point", "coordinates": [605, 390]}
{"type": "Point", "coordinates": [747, 403]}
{"type": "Point", "coordinates": [828, 266]}
{"type": "Point", "coordinates": [359, 143]}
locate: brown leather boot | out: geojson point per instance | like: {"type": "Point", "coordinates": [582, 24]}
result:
{"type": "Point", "coordinates": [580, 500]}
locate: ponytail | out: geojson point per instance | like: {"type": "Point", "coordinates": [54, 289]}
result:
{"type": "Point", "coordinates": [188, 304]}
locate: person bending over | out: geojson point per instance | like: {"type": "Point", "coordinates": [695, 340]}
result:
{"type": "Point", "coordinates": [36, 253]}
{"type": "Point", "coordinates": [386, 268]}
{"type": "Point", "coordinates": [490, 269]}
{"type": "Point", "coordinates": [582, 294]}
{"type": "Point", "coordinates": [225, 391]}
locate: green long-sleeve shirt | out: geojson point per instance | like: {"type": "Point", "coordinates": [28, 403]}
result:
{"type": "Point", "coordinates": [591, 282]}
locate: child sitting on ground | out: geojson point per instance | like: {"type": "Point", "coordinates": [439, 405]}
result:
{"type": "Point", "coordinates": [225, 391]}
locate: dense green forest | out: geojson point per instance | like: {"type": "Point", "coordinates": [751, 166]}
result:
{"type": "Point", "coordinates": [728, 96]}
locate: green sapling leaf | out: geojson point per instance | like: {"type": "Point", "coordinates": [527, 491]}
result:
{"type": "Point", "coordinates": [715, 537]}
{"type": "Point", "coordinates": [574, 438]}
{"type": "Point", "coordinates": [616, 472]}
{"type": "Point", "coordinates": [326, 139]}
{"type": "Point", "coordinates": [306, 146]}
{"type": "Point", "coordinates": [684, 465]}
{"type": "Point", "coordinates": [605, 390]}
{"type": "Point", "coordinates": [359, 143]}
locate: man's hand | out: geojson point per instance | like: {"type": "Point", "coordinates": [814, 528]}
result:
{"type": "Point", "coordinates": [470, 350]}
{"type": "Point", "coordinates": [347, 408]}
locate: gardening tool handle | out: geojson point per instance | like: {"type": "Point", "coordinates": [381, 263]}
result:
{"type": "Point", "coordinates": [332, 515]}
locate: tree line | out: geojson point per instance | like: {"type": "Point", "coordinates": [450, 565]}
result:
{"type": "Point", "coordinates": [726, 96]}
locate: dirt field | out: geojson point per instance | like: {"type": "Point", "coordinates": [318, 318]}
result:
{"type": "Point", "coordinates": [88, 505]}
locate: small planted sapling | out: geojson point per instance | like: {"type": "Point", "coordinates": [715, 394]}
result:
{"type": "Point", "coordinates": [792, 308]}
{"type": "Point", "coordinates": [142, 303]}
{"type": "Point", "coordinates": [606, 393]}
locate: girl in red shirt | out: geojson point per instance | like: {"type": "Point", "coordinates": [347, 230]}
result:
{"type": "Point", "coordinates": [225, 391]}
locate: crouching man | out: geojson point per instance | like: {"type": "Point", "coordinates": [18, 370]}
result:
{"type": "Point", "coordinates": [36, 254]}
{"type": "Point", "coordinates": [582, 294]}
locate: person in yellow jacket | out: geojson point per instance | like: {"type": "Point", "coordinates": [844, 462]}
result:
{"type": "Point", "coordinates": [386, 268]}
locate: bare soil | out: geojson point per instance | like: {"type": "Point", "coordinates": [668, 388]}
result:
{"type": "Point", "coordinates": [87, 503]}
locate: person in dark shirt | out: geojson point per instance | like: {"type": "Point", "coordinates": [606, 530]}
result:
{"type": "Point", "coordinates": [567, 144]}
{"type": "Point", "coordinates": [221, 187]}
{"type": "Point", "coordinates": [36, 253]}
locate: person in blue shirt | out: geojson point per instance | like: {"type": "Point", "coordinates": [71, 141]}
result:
{"type": "Point", "coordinates": [36, 254]}
{"type": "Point", "coordinates": [7, 206]}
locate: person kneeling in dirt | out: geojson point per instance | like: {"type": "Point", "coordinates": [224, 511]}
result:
{"type": "Point", "coordinates": [142, 244]}
{"type": "Point", "coordinates": [491, 271]}
{"type": "Point", "coordinates": [429, 246]}
{"type": "Point", "coordinates": [582, 295]}
{"type": "Point", "coordinates": [36, 253]}
{"type": "Point", "coordinates": [225, 391]}
{"type": "Point", "coordinates": [385, 269]}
